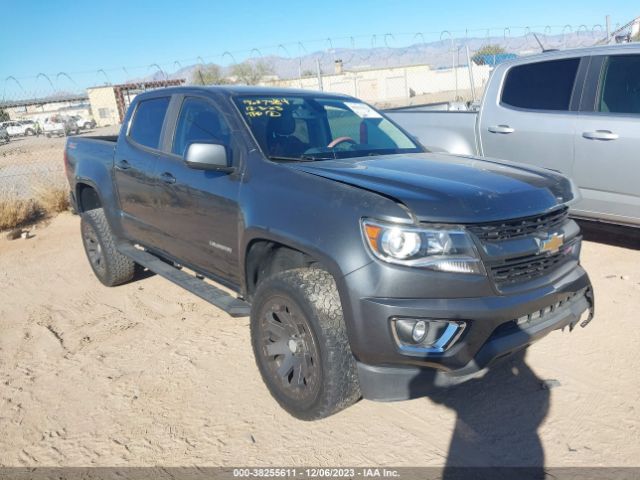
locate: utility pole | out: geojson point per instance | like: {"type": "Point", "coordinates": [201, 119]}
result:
{"type": "Point", "coordinates": [319, 73]}
{"type": "Point", "coordinates": [453, 66]}
{"type": "Point", "coordinates": [607, 22]}
{"type": "Point", "coordinates": [469, 66]}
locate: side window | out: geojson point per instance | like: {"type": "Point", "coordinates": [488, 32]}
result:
{"type": "Point", "coordinates": [147, 122]}
{"type": "Point", "coordinates": [199, 122]}
{"type": "Point", "coordinates": [620, 90]}
{"type": "Point", "coordinates": [542, 85]}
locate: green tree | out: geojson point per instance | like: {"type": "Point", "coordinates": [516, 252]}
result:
{"type": "Point", "coordinates": [487, 50]}
{"type": "Point", "coordinates": [4, 116]}
{"type": "Point", "coordinates": [251, 73]}
{"type": "Point", "coordinates": [209, 75]}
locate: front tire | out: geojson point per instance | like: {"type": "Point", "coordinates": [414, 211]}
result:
{"type": "Point", "coordinates": [110, 266]}
{"type": "Point", "coordinates": [300, 343]}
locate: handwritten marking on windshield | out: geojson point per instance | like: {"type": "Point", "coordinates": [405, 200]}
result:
{"type": "Point", "coordinates": [268, 107]}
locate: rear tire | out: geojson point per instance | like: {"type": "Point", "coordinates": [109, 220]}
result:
{"type": "Point", "coordinates": [110, 266]}
{"type": "Point", "coordinates": [300, 343]}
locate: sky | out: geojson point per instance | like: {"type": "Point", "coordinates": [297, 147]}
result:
{"type": "Point", "coordinates": [124, 38]}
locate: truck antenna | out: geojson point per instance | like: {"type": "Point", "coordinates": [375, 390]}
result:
{"type": "Point", "coordinates": [535, 35]}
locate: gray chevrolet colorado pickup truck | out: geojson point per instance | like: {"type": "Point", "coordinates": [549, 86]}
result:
{"type": "Point", "coordinates": [369, 267]}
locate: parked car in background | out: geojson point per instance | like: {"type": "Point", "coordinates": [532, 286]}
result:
{"type": "Point", "coordinates": [4, 135]}
{"type": "Point", "coordinates": [84, 123]}
{"type": "Point", "coordinates": [29, 126]}
{"type": "Point", "coordinates": [60, 125]}
{"type": "Point", "coordinates": [573, 111]}
{"type": "Point", "coordinates": [19, 128]}
{"type": "Point", "coordinates": [368, 266]}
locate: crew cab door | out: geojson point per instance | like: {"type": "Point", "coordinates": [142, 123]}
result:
{"type": "Point", "coordinates": [607, 160]}
{"type": "Point", "coordinates": [135, 161]}
{"type": "Point", "coordinates": [530, 117]}
{"type": "Point", "coordinates": [200, 213]}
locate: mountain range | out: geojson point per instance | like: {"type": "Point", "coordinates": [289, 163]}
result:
{"type": "Point", "coordinates": [438, 54]}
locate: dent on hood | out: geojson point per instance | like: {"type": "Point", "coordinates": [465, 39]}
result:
{"type": "Point", "coordinates": [563, 188]}
{"type": "Point", "coordinates": [453, 189]}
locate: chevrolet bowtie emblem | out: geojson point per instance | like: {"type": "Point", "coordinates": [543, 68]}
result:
{"type": "Point", "coordinates": [552, 243]}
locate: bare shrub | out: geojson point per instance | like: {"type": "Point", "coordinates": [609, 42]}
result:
{"type": "Point", "coordinates": [52, 199]}
{"type": "Point", "coordinates": [48, 199]}
{"type": "Point", "coordinates": [15, 212]}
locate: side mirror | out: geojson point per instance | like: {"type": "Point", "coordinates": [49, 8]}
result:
{"type": "Point", "coordinates": [208, 156]}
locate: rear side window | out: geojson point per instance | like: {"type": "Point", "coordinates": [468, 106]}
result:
{"type": "Point", "coordinates": [542, 85]}
{"type": "Point", "coordinates": [620, 91]}
{"type": "Point", "coordinates": [148, 120]}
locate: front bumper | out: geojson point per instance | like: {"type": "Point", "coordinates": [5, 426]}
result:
{"type": "Point", "coordinates": [492, 332]}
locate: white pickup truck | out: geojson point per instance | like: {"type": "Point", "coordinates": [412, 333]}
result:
{"type": "Point", "coordinates": [60, 125]}
{"type": "Point", "coordinates": [573, 111]}
{"type": "Point", "coordinates": [19, 128]}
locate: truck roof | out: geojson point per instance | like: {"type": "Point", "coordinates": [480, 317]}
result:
{"type": "Point", "coordinates": [620, 48]}
{"type": "Point", "coordinates": [231, 90]}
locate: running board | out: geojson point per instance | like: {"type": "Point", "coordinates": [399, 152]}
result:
{"type": "Point", "coordinates": [216, 296]}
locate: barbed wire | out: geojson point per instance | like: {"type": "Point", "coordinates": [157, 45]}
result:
{"type": "Point", "coordinates": [324, 50]}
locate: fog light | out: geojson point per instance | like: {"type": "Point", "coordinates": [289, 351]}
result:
{"type": "Point", "coordinates": [419, 336]}
{"type": "Point", "coordinates": [419, 331]}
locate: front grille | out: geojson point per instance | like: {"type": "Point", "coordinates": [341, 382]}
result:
{"type": "Point", "coordinates": [496, 231]}
{"type": "Point", "coordinates": [521, 269]}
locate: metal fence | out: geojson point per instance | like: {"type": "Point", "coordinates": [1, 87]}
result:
{"type": "Point", "coordinates": [447, 69]}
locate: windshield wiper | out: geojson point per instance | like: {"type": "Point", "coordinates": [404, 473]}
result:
{"type": "Point", "coordinates": [301, 158]}
{"type": "Point", "coordinates": [311, 158]}
{"type": "Point", "coordinates": [291, 159]}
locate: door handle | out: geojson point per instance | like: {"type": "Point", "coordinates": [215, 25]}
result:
{"type": "Point", "coordinates": [504, 129]}
{"type": "Point", "coordinates": [166, 177]}
{"type": "Point", "coordinates": [123, 165]}
{"type": "Point", "coordinates": [600, 135]}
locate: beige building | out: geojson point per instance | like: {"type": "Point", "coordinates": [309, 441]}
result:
{"type": "Point", "coordinates": [104, 106]}
{"type": "Point", "coordinates": [398, 85]}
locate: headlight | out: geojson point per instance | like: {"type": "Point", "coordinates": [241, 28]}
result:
{"type": "Point", "coordinates": [443, 249]}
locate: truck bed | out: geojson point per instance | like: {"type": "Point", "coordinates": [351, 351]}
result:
{"type": "Point", "coordinates": [452, 132]}
{"type": "Point", "coordinates": [104, 138]}
{"type": "Point", "coordinates": [97, 157]}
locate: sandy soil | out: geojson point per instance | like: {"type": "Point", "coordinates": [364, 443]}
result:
{"type": "Point", "coordinates": [147, 374]}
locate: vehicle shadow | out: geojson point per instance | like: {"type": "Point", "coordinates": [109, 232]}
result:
{"type": "Point", "coordinates": [616, 235]}
{"type": "Point", "coordinates": [497, 421]}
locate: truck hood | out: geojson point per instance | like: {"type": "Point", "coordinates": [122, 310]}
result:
{"type": "Point", "coordinates": [451, 189]}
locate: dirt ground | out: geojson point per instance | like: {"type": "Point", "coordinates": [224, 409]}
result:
{"type": "Point", "coordinates": [148, 374]}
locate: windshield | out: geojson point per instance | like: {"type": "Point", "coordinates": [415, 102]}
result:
{"type": "Point", "coordinates": [303, 127]}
